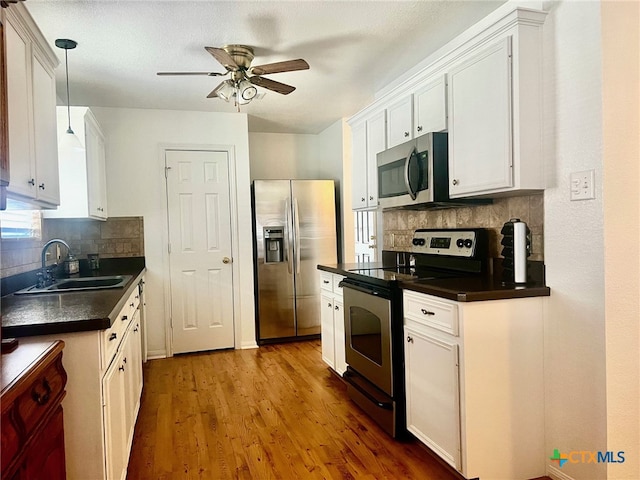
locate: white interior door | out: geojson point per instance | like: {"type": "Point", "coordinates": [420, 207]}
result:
{"type": "Point", "coordinates": [365, 236]}
{"type": "Point", "coordinates": [200, 250]}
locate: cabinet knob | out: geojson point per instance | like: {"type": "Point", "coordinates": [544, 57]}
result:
{"type": "Point", "coordinates": [455, 181]}
{"type": "Point", "coordinates": [113, 336]}
{"type": "Point", "coordinates": [419, 128]}
{"type": "Point", "coordinates": [42, 398]}
{"type": "Point", "coordinates": [132, 304]}
{"type": "Point", "coordinates": [121, 368]}
{"type": "Point", "coordinates": [406, 134]}
{"type": "Point", "coordinates": [135, 330]}
{"type": "Point", "coordinates": [370, 197]}
{"type": "Point", "coordinates": [336, 307]}
{"type": "Point", "coordinates": [124, 317]}
{"type": "Point", "coordinates": [32, 182]}
{"type": "Point", "coordinates": [409, 339]}
{"type": "Point", "coordinates": [41, 186]}
{"type": "Point", "coordinates": [363, 199]}
{"type": "Point", "coordinates": [329, 305]}
{"type": "Point", "coordinates": [426, 312]}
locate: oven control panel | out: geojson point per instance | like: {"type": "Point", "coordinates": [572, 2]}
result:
{"type": "Point", "coordinates": [456, 243]}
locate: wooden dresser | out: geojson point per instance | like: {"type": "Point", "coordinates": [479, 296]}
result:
{"type": "Point", "coordinates": [33, 382]}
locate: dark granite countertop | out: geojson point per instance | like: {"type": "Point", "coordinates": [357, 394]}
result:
{"type": "Point", "coordinates": [460, 289]}
{"type": "Point", "coordinates": [51, 313]}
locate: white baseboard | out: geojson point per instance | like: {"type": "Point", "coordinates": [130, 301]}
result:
{"type": "Point", "coordinates": [557, 474]}
{"type": "Point", "coordinates": [156, 354]}
{"type": "Point", "coordinates": [248, 345]}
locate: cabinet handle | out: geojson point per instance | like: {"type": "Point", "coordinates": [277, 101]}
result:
{"type": "Point", "coordinates": [419, 128]}
{"type": "Point", "coordinates": [135, 329]}
{"type": "Point", "coordinates": [132, 304]}
{"type": "Point", "coordinates": [455, 181]}
{"type": "Point", "coordinates": [370, 197]}
{"type": "Point", "coordinates": [113, 336]}
{"type": "Point", "coordinates": [32, 182]}
{"type": "Point", "coordinates": [409, 339]}
{"type": "Point", "coordinates": [43, 398]}
{"type": "Point", "coordinates": [337, 307]}
{"type": "Point", "coordinates": [124, 317]}
{"type": "Point", "coordinates": [137, 297]}
{"type": "Point", "coordinates": [406, 134]}
{"type": "Point", "coordinates": [329, 305]}
{"type": "Point", "coordinates": [426, 312]}
{"type": "Point", "coordinates": [325, 281]}
{"type": "Point", "coordinates": [121, 368]}
{"type": "Point", "coordinates": [41, 186]}
{"type": "Point", "coordinates": [363, 199]}
{"type": "Point", "coordinates": [124, 360]}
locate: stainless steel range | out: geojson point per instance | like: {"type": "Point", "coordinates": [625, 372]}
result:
{"type": "Point", "coordinates": [373, 315]}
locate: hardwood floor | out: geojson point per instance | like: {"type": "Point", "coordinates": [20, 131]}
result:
{"type": "Point", "coordinates": [272, 412]}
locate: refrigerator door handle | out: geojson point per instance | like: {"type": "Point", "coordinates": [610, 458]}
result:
{"type": "Point", "coordinates": [287, 232]}
{"type": "Point", "coordinates": [296, 233]}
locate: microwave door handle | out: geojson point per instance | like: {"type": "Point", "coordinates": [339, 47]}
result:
{"type": "Point", "coordinates": [287, 231]}
{"type": "Point", "coordinates": [407, 183]}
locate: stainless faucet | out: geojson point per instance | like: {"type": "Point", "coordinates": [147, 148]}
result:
{"type": "Point", "coordinates": [44, 278]}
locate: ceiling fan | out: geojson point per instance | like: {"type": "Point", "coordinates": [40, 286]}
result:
{"type": "Point", "coordinates": [241, 86]}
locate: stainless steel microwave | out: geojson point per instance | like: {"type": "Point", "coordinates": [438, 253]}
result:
{"type": "Point", "coordinates": [414, 172]}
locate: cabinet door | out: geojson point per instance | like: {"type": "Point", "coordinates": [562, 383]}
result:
{"type": "Point", "coordinates": [433, 410]}
{"type": "Point", "coordinates": [400, 122]}
{"type": "Point", "coordinates": [480, 135]}
{"type": "Point", "coordinates": [45, 128]}
{"type": "Point", "coordinates": [338, 326]}
{"type": "Point", "coordinates": [96, 189]}
{"type": "Point", "coordinates": [359, 166]}
{"type": "Point", "coordinates": [376, 143]}
{"type": "Point", "coordinates": [327, 333]}
{"type": "Point", "coordinates": [133, 378]}
{"type": "Point", "coordinates": [430, 107]}
{"type": "Point", "coordinates": [45, 458]}
{"type": "Point", "coordinates": [113, 390]}
{"type": "Point", "coordinates": [21, 159]}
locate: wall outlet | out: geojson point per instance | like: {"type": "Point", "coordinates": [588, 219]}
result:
{"type": "Point", "coordinates": [583, 185]}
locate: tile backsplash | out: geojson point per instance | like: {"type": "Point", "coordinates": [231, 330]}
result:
{"type": "Point", "coordinates": [115, 237]}
{"type": "Point", "coordinates": [399, 225]}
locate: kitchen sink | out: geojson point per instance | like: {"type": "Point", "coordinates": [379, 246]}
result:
{"type": "Point", "coordinates": [78, 284]}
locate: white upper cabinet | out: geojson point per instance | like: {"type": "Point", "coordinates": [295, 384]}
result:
{"type": "Point", "coordinates": [31, 99]}
{"type": "Point", "coordinates": [480, 152]}
{"type": "Point", "coordinates": [368, 138]}
{"type": "Point", "coordinates": [400, 121]}
{"type": "Point", "coordinates": [82, 170]}
{"type": "Point", "coordinates": [430, 107]}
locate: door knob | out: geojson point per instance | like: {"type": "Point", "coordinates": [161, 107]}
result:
{"type": "Point", "coordinates": [226, 260]}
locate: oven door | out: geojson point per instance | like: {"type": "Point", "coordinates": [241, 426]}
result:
{"type": "Point", "coordinates": [367, 314]}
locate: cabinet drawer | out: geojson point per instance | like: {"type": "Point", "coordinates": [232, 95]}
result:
{"type": "Point", "coordinates": [10, 441]}
{"type": "Point", "coordinates": [337, 289]}
{"type": "Point", "coordinates": [431, 312]}
{"type": "Point", "coordinates": [326, 281]}
{"type": "Point", "coordinates": [44, 393]}
{"type": "Point", "coordinates": [112, 337]}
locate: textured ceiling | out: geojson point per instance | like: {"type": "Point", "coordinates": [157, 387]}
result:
{"type": "Point", "coordinates": [354, 48]}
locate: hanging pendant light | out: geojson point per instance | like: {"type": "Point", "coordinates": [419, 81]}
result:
{"type": "Point", "coordinates": [70, 140]}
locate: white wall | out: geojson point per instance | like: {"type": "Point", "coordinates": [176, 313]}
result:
{"type": "Point", "coordinates": [621, 151]}
{"type": "Point", "coordinates": [136, 186]}
{"type": "Point", "coordinates": [575, 403]}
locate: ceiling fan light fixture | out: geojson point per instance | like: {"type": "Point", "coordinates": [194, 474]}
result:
{"type": "Point", "coordinates": [225, 90]}
{"type": "Point", "coordinates": [246, 91]}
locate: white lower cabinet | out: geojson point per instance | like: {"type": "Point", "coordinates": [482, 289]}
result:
{"type": "Point", "coordinates": [332, 322]}
{"type": "Point", "coordinates": [474, 383]}
{"type": "Point", "coordinates": [103, 394]}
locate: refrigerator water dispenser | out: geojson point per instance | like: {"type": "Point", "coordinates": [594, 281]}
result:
{"type": "Point", "coordinates": [273, 244]}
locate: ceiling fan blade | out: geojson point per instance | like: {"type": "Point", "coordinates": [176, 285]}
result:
{"type": "Point", "coordinates": [277, 87]}
{"type": "Point", "coordinates": [223, 57]}
{"type": "Point", "coordinates": [210, 74]}
{"type": "Point", "coordinates": [286, 66]}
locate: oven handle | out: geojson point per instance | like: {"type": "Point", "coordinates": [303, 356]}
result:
{"type": "Point", "coordinates": [360, 288]}
{"type": "Point", "coordinates": [386, 405]}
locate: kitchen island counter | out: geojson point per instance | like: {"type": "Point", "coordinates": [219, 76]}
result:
{"type": "Point", "coordinates": [54, 313]}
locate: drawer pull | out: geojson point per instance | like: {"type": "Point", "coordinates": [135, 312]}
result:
{"type": "Point", "coordinates": [121, 368]}
{"type": "Point", "coordinates": [124, 317]}
{"type": "Point", "coordinates": [113, 336]}
{"type": "Point", "coordinates": [409, 339]}
{"type": "Point", "coordinates": [325, 281]}
{"type": "Point", "coordinates": [43, 398]}
{"type": "Point", "coordinates": [135, 329]}
{"type": "Point", "coordinates": [124, 360]}
{"type": "Point", "coordinates": [426, 312]}
{"type": "Point", "coordinates": [131, 304]}
{"type": "Point", "coordinates": [329, 305]}
{"type": "Point", "coordinates": [337, 307]}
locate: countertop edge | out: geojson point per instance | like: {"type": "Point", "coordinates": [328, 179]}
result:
{"type": "Point", "coordinates": [526, 292]}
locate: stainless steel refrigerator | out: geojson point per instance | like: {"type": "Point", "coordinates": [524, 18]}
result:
{"type": "Point", "coordinates": [294, 225]}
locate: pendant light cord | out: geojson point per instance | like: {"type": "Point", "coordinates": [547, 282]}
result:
{"type": "Point", "coordinates": [66, 63]}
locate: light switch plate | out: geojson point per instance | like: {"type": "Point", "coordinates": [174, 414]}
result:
{"type": "Point", "coordinates": [583, 185]}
